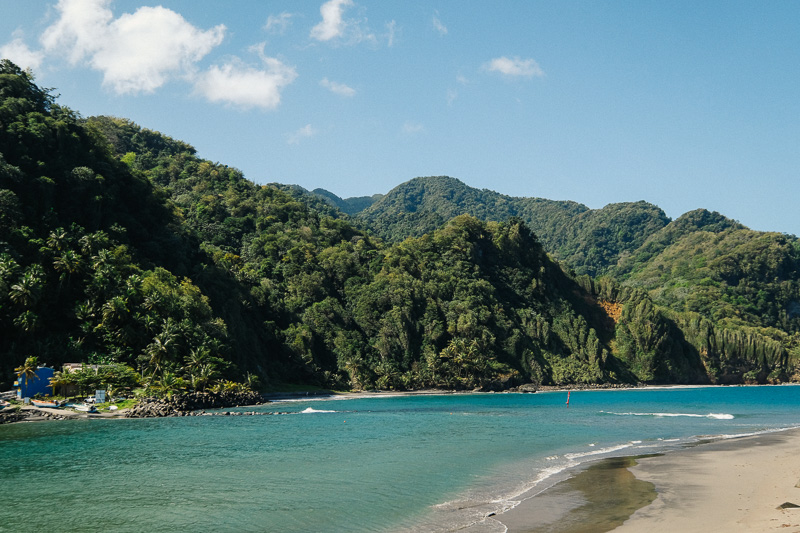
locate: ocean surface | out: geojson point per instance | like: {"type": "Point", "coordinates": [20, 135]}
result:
{"type": "Point", "coordinates": [390, 464]}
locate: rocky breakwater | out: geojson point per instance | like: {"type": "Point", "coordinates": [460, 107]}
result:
{"type": "Point", "coordinates": [28, 414]}
{"type": "Point", "coordinates": [190, 403]}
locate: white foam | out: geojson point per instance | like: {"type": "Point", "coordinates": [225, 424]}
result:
{"type": "Point", "coordinates": [601, 451]}
{"type": "Point", "coordinates": [716, 416]}
{"type": "Point", "coordinates": [311, 410]}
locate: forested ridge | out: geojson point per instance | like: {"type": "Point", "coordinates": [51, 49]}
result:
{"type": "Point", "coordinates": [120, 245]}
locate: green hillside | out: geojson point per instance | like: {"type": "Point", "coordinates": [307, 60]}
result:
{"type": "Point", "coordinates": [120, 245]}
{"type": "Point", "coordinates": [351, 206]}
{"type": "Point", "coordinates": [590, 241]}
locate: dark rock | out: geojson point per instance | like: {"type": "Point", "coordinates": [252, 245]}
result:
{"type": "Point", "coordinates": [788, 505]}
{"type": "Point", "coordinates": [186, 403]}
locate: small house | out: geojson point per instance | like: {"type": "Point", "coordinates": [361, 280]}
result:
{"type": "Point", "coordinates": [38, 384]}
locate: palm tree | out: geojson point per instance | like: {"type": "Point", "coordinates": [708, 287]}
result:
{"type": "Point", "coordinates": [203, 376]}
{"type": "Point", "coordinates": [28, 321]}
{"type": "Point", "coordinates": [197, 358]}
{"type": "Point", "coordinates": [57, 239]}
{"type": "Point", "coordinates": [92, 242]}
{"type": "Point", "coordinates": [68, 263]}
{"type": "Point", "coordinates": [252, 381]}
{"type": "Point", "coordinates": [26, 292]}
{"type": "Point", "coordinates": [133, 285]}
{"type": "Point", "coordinates": [28, 369]}
{"type": "Point", "coordinates": [170, 383]}
{"type": "Point", "coordinates": [60, 380]}
{"type": "Point", "coordinates": [158, 351]}
{"type": "Point", "coordinates": [115, 310]}
{"type": "Point", "coordinates": [7, 267]}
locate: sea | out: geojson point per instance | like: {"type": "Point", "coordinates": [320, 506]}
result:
{"type": "Point", "coordinates": [353, 463]}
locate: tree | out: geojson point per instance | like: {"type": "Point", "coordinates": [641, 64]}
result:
{"type": "Point", "coordinates": [68, 263]}
{"type": "Point", "coordinates": [158, 351]}
{"type": "Point", "coordinates": [27, 291]}
{"type": "Point", "coordinates": [62, 379]}
{"type": "Point", "coordinates": [27, 370]}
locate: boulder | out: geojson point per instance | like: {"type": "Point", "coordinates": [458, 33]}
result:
{"type": "Point", "coordinates": [186, 403]}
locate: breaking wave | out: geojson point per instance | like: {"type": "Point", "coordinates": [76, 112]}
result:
{"type": "Point", "coordinates": [715, 416]}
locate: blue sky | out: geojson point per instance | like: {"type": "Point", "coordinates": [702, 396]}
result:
{"type": "Point", "coordinates": [682, 104]}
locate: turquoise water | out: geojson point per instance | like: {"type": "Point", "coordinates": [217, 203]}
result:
{"type": "Point", "coordinates": [407, 463]}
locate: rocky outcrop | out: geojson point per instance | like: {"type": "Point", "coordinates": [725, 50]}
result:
{"type": "Point", "coordinates": [189, 403]}
{"type": "Point", "coordinates": [27, 415]}
{"type": "Point", "coordinates": [8, 416]}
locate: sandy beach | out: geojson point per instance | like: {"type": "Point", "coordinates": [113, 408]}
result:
{"type": "Point", "coordinates": [743, 484]}
{"type": "Point", "coordinates": [734, 485]}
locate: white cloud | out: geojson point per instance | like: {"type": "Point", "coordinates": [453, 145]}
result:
{"type": "Point", "coordinates": [278, 23]}
{"type": "Point", "coordinates": [412, 128]}
{"type": "Point", "coordinates": [344, 31]}
{"type": "Point", "coordinates": [514, 67]}
{"type": "Point", "coordinates": [136, 52]}
{"type": "Point", "coordinates": [246, 87]}
{"type": "Point", "coordinates": [18, 52]}
{"type": "Point", "coordinates": [438, 26]}
{"type": "Point", "coordinates": [452, 94]}
{"type": "Point", "coordinates": [80, 30]}
{"type": "Point", "coordinates": [306, 132]}
{"type": "Point", "coordinates": [337, 88]}
{"type": "Point", "coordinates": [332, 24]}
{"type": "Point", "coordinates": [391, 29]}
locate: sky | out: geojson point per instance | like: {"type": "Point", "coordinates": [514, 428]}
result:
{"type": "Point", "coordinates": [683, 104]}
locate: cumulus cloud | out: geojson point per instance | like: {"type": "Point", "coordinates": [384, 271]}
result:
{"type": "Point", "coordinates": [243, 86]}
{"type": "Point", "coordinates": [306, 132]}
{"type": "Point", "coordinates": [18, 52]}
{"type": "Point", "coordinates": [81, 29]}
{"type": "Point", "coordinates": [333, 23]}
{"type": "Point", "coordinates": [337, 88]}
{"type": "Point", "coordinates": [278, 23]}
{"type": "Point", "coordinates": [438, 26]}
{"type": "Point", "coordinates": [526, 68]}
{"type": "Point", "coordinates": [137, 52]}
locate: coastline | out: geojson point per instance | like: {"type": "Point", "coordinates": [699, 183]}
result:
{"type": "Point", "coordinates": [30, 413]}
{"type": "Point", "coordinates": [736, 484]}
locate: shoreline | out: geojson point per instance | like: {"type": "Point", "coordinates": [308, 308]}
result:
{"type": "Point", "coordinates": [39, 414]}
{"type": "Point", "coordinates": [31, 413]}
{"type": "Point", "coordinates": [728, 484]}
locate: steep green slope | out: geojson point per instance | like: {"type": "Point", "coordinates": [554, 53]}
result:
{"type": "Point", "coordinates": [588, 241]}
{"type": "Point", "coordinates": [736, 275]}
{"type": "Point", "coordinates": [90, 253]}
{"type": "Point", "coordinates": [323, 292]}
{"type": "Point", "coordinates": [119, 244]}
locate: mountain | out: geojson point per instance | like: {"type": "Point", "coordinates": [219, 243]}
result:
{"type": "Point", "coordinates": [120, 245]}
{"type": "Point", "coordinates": [590, 241]}
{"type": "Point", "coordinates": [350, 206]}
{"type": "Point", "coordinates": [707, 264]}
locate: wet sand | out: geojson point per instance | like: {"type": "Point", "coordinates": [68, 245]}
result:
{"type": "Point", "coordinates": [730, 485]}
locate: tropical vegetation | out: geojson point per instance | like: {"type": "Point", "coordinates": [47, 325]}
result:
{"type": "Point", "coordinates": [121, 247]}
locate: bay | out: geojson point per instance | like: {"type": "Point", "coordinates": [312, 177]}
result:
{"type": "Point", "coordinates": [352, 463]}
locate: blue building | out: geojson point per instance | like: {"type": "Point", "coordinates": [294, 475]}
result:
{"type": "Point", "coordinates": [35, 385]}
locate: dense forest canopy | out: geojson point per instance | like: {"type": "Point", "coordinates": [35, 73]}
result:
{"type": "Point", "coordinates": [120, 245]}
